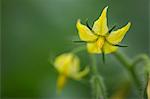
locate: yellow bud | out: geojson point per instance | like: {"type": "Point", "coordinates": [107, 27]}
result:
{"type": "Point", "coordinates": [68, 65]}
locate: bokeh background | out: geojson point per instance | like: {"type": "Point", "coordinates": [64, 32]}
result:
{"type": "Point", "coordinates": [35, 30]}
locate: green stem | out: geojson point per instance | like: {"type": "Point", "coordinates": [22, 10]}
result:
{"type": "Point", "coordinates": [141, 58]}
{"type": "Point", "coordinates": [124, 60]}
{"type": "Point", "coordinates": [130, 67]}
{"type": "Point", "coordinates": [97, 84]}
{"type": "Point", "coordinates": [94, 64]}
{"type": "Point", "coordinates": [98, 87]}
{"type": "Point", "coordinates": [78, 49]}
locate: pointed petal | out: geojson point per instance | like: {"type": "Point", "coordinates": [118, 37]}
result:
{"type": "Point", "coordinates": [61, 81]}
{"type": "Point", "coordinates": [109, 48]}
{"type": "Point", "coordinates": [81, 74]}
{"type": "Point", "coordinates": [100, 26]}
{"type": "Point", "coordinates": [116, 36]}
{"type": "Point", "coordinates": [96, 46]}
{"type": "Point", "coordinates": [85, 33]}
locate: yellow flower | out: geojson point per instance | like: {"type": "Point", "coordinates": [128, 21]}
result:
{"type": "Point", "coordinates": [148, 88]}
{"type": "Point", "coordinates": [100, 39]}
{"type": "Point", "coordinates": [68, 65]}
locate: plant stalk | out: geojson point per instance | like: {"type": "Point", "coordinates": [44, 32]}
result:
{"type": "Point", "coordinates": [125, 61]}
{"type": "Point", "coordinates": [97, 83]}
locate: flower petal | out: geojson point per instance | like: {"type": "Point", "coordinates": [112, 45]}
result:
{"type": "Point", "coordinates": [116, 36]}
{"type": "Point", "coordinates": [109, 48]}
{"type": "Point", "coordinates": [81, 74]}
{"type": "Point", "coordinates": [85, 33]}
{"type": "Point", "coordinates": [100, 26]}
{"type": "Point", "coordinates": [74, 67]}
{"type": "Point", "coordinates": [61, 82]}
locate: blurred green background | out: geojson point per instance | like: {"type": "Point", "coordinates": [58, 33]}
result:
{"type": "Point", "coordinates": [34, 30]}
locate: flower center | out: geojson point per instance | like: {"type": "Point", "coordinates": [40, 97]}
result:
{"type": "Point", "coordinates": [100, 42]}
